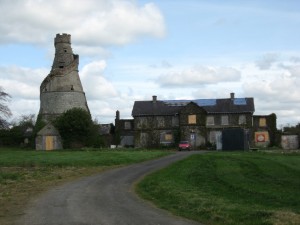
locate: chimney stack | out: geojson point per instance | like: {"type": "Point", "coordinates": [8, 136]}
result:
{"type": "Point", "coordinates": [117, 115]}
{"type": "Point", "coordinates": [154, 98]}
{"type": "Point", "coordinates": [232, 96]}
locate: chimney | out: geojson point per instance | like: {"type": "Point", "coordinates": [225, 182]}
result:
{"type": "Point", "coordinates": [232, 96]}
{"type": "Point", "coordinates": [154, 98]}
{"type": "Point", "coordinates": [117, 115]}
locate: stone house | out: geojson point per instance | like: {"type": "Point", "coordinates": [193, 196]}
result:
{"type": "Point", "coordinates": [200, 121]}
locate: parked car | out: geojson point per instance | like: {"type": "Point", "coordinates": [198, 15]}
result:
{"type": "Point", "coordinates": [184, 145]}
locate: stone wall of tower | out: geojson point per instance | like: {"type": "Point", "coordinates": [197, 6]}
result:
{"type": "Point", "coordinates": [63, 52]}
{"type": "Point", "coordinates": [62, 90]}
{"type": "Point", "coordinates": [54, 103]}
{"type": "Point", "coordinates": [69, 81]}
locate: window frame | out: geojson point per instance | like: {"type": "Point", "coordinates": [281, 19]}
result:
{"type": "Point", "coordinates": [210, 120]}
{"type": "Point", "coordinates": [226, 118]}
{"type": "Point", "coordinates": [192, 119]}
{"type": "Point", "coordinates": [262, 122]}
{"type": "Point", "coordinates": [127, 125]}
{"type": "Point", "coordinates": [242, 119]}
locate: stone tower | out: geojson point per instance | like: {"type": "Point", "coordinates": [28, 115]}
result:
{"type": "Point", "coordinates": [61, 90]}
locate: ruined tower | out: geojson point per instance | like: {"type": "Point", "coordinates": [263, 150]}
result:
{"type": "Point", "coordinates": [61, 90]}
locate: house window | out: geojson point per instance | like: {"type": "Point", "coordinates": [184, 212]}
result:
{"type": "Point", "coordinates": [210, 120]}
{"type": "Point", "coordinates": [224, 120]}
{"type": "Point", "coordinates": [242, 119]}
{"type": "Point", "coordinates": [262, 122]}
{"type": "Point", "coordinates": [175, 121]}
{"type": "Point", "coordinates": [192, 119]}
{"type": "Point", "coordinates": [127, 125]}
{"type": "Point", "coordinates": [168, 137]}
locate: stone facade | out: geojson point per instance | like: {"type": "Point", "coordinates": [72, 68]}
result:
{"type": "Point", "coordinates": [264, 127]}
{"type": "Point", "coordinates": [124, 133]}
{"type": "Point", "coordinates": [200, 121]}
{"type": "Point", "coordinates": [62, 90]}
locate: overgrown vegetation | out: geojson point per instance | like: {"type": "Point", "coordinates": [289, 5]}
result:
{"type": "Point", "coordinates": [24, 174]}
{"type": "Point", "coordinates": [77, 129]}
{"type": "Point", "coordinates": [292, 129]}
{"type": "Point", "coordinates": [229, 188]}
{"type": "Point", "coordinates": [4, 110]}
{"type": "Point", "coordinates": [19, 131]}
{"type": "Point", "coordinates": [75, 126]}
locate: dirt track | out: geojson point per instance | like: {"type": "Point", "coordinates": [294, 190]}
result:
{"type": "Point", "coordinates": [103, 199]}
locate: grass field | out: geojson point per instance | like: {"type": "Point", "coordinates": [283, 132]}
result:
{"type": "Point", "coordinates": [229, 188]}
{"type": "Point", "coordinates": [25, 174]}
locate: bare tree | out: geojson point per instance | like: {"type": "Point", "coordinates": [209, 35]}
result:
{"type": "Point", "coordinates": [4, 110]}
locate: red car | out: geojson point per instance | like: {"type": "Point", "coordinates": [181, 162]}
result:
{"type": "Point", "coordinates": [184, 145]}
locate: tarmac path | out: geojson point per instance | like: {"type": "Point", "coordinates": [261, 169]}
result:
{"type": "Point", "coordinates": [107, 198]}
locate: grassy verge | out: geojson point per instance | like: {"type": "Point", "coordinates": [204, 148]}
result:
{"type": "Point", "coordinates": [25, 174]}
{"type": "Point", "coordinates": [229, 188]}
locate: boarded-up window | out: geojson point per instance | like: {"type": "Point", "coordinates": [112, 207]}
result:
{"type": "Point", "coordinates": [210, 120]}
{"type": "Point", "coordinates": [242, 119]}
{"type": "Point", "coordinates": [224, 120]}
{"type": "Point", "coordinates": [192, 119]}
{"type": "Point", "coordinates": [262, 122]}
{"type": "Point", "coordinates": [262, 136]}
{"type": "Point", "coordinates": [127, 125]}
{"type": "Point", "coordinates": [168, 137]}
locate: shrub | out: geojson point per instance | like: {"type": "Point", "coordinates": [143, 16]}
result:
{"type": "Point", "coordinates": [77, 129]}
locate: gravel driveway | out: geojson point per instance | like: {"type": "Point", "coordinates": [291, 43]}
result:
{"type": "Point", "coordinates": [104, 199]}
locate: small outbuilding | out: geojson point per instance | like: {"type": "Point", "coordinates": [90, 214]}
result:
{"type": "Point", "coordinates": [290, 142]}
{"type": "Point", "coordinates": [48, 138]}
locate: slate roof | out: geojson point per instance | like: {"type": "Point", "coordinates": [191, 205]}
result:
{"type": "Point", "coordinates": [172, 107]}
{"type": "Point", "coordinates": [48, 130]}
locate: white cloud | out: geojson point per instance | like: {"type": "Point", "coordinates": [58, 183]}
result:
{"type": "Point", "coordinates": [200, 75]}
{"type": "Point", "coordinates": [94, 83]}
{"type": "Point", "coordinates": [294, 70]}
{"type": "Point", "coordinates": [91, 22]}
{"type": "Point", "coordinates": [24, 106]}
{"type": "Point", "coordinates": [274, 90]}
{"type": "Point", "coordinates": [22, 82]}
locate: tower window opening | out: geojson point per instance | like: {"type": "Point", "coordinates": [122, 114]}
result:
{"type": "Point", "coordinates": [61, 67]}
{"type": "Point", "coordinates": [72, 88]}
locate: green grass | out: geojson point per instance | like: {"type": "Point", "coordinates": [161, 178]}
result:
{"type": "Point", "coordinates": [85, 158]}
{"type": "Point", "coordinates": [26, 173]}
{"type": "Point", "coordinates": [229, 188]}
